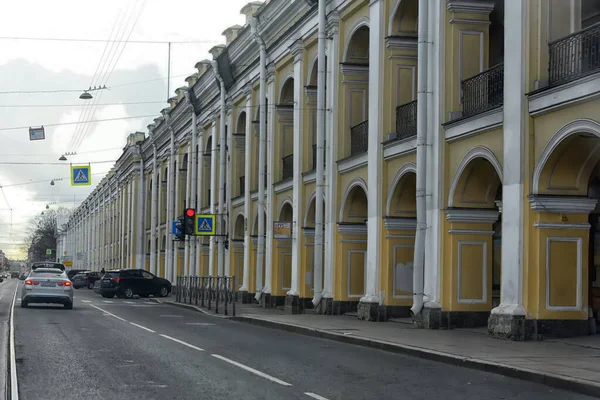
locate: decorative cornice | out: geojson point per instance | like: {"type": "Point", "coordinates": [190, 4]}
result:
{"type": "Point", "coordinates": [270, 73]}
{"type": "Point", "coordinates": [352, 229]}
{"type": "Point", "coordinates": [297, 50]}
{"type": "Point", "coordinates": [400, 224]}
{"type": "Point", "coordinates": [401, 43]}
{"type": "Point", "coordinates": [562, 204]}
{"type": "Point", "coordinates": [354, 69]}
{"type": "Point", "coordinates": [472, 215]}
{"type": "Point", "coordinates": [333, 23]}
{"type": "Point", "coordinates": [469, 7]}
{"type": "Point", "coordinates": [247, 91]}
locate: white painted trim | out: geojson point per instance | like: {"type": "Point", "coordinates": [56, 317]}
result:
{"type": "Point", "coordinates": [311, 198]}
{"type": "Point", "coordinates": [363, 21]}
{"type": "Point", "coordinates": [477, 124]}
{"type": "Point", "coordinates": [399, 147]}
{"type": "Point", "coordinates": [240, 213]}
{"type": "Point", "coordinates": [400, 224]}
{"type": "Point", "coordinates": [405, 169]}
{"type": "Point", "coordinates": [562, 204]}
{"type": "Point", "coordinates": [483, 300]}
{"type": "Point", "coordinates": [283, 81]}
{"type": "Point", "coordinates": [476, 152]}
{"type": "Point", "coordinates": [353, 183]}
{"type": "Point", "coordinates": [283, 186]}
{"type": "Point", "coordinates": [470, 7]}
{"type": "Point", "coordinates": [401, 43]}
{"type": "Point", "coordinates": [472, 215]}
{"type": "Point", "coordinates": [352, 229]}
{"type": "Point", "coordinates": [287, 200]}
{"type": "Point", "coordinates": [393, 13]}
{"type": "Point", "coordinates": [578, 126]}
{"type": "Point", "coordinates": [579, 300]}
{"type": "Point", "coordinates": [237, 201]}
{"type": "Point", "coordinates": [565, 95]}
{"type": "Point", "coordinates": [352, 163]}
{"type": "Point", "coordinates": [354, 69]}
{"type": "Point", "coordinates": [470, 232]}
{"type": "Point", "coordinates": [393, 236]}
{"type": "Point", "coordinates": [549, 225]}
{"type": "Point", "coordinates": [394, 262]}
{"type": "Point", "coordinates": [349, 274]}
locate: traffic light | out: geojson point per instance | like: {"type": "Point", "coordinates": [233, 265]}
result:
{"type": "Point", "coordinates": [179, 233]}
{"type": "Point", "coordinates": [189, 217]}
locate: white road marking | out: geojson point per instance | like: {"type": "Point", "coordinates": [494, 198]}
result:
{"type": "Point", "coordinates": [107, 313]}
{"type": "Point", "coordinates": [107, 301]}
{"type": "Point", "coordinates": [182, 342]}
{"type": "Point", "coordinates": [142, 327]}
{"type": "Point", "coordinates": [315, 396]}
{"type": "Point", "coordinates": [86, 301]}
{"type": "Point", "coordinates": [14, 384]}
{"type": "Point", "coordinates": [172, 316]}
{"type": "Point", "coordinates": [129, 302]}
{"type": "Point", "coordinates": [199, 323]}
{"type": "Point", "coordinates": [252, 370]}
{"type": "Point", "coordinates": [142, 305]}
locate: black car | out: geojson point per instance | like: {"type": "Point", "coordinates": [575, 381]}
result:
{"type": "Point", "coordinates": [85, 279]}
{"type": "Point", "coordinates": [71, 273]}
{"type": "Point", "coordinates": [129, 282]}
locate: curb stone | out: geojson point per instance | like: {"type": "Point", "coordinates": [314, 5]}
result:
{"type": "Point", "coordinates": [552, 380]}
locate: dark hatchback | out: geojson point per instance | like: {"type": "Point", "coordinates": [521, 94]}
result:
{"type": "Point", "coordinates": [85, 279]}
{"type": "Point", "coordinates": [129, 282]}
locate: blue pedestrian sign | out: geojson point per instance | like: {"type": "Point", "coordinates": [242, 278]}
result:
{"type": "Point", "coordinates": [174, 228]}
{"type": "Point", "coordinates": [81, 175]}
{"type": "Point", "coordinates": [205, 225]}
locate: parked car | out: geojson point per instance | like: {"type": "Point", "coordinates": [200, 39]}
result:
{"type": "Point", "coordinates": [47, 264]}
{"type": "Point", "coordinates": [129, 282]}
{"type": "Point", "coordinates": [85, 279]}
{"type": "Point", "coordinates": [72, 272]}
{"type": "Point", "coordinates": [47, 285]}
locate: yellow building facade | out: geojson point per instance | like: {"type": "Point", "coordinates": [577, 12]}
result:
{"type": "Point", "coordinates": [460, 177]}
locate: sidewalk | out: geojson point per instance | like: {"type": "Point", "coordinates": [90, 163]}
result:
{"type": "Point", "coordinates": [570, 364]}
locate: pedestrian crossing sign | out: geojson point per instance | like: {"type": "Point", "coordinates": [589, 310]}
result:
{"type": "Point", "coordinates": [81, 175]}
{"type": "Point", "coordinates": [205, 225]}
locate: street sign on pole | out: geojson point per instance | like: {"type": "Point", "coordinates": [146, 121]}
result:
{"type": "Point", "coordinates": [81, 175]}
{"type": "Point", "coordinates": [48, 252]}
{"type": "Point", "coordinates": [282, 229]}
{"type": "Point", "coordinates": [205, 225]}
{"type": "Point", "coordinates": [37, 133]}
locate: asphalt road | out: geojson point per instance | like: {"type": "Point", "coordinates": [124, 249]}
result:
{"type": "Point", "coordinates": [116, 349]}
{"type": "Point", "coordinates": [7, 289]}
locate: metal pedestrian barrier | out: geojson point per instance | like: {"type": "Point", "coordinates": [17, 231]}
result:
{"type": "Point", "coordinates": [216, 293]}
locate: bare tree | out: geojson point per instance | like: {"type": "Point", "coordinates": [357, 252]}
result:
{"type": "Point", "coordinates": [43, 236]}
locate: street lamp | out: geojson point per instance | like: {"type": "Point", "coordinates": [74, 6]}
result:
{"type": "Point", "coordinates": [85, 95]}
{"type": "Point", "coordinates": [62, 158]}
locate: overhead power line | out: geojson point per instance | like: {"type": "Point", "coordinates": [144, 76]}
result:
{"type": "Point", "coordinates": [78, 105]}
{"type": "Point", "coordinates": [57, 39]}
{"type": "Point", "coordinates": [49, 163]}
{"type": "Point", "coordinates": [74, 122]}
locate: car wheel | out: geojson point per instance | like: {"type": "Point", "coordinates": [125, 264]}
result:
{"type": "Point", "coordinates": [90, 285]}
{"type": "Point", "coordinates": [164, 291]}
{"type": "Point", "coordinates": [128, 293]}
{"type": "Point", "coordinates": [24, 304]}
{"type": "Point", "coordinates": [68, 306]}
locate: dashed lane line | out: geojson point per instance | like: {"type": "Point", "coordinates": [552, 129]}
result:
{"type": "Point", "coordinates": [252, 370]}
{"type": "Point", "coordinates": [108, 301]}
{"type": "Point", "coordinates": [107, 313]}
{"type": "Point", "coordinates": [191, 346]}
{"type": "Point", "coordinates": [86, 301]}
{"type": "Point", "coordinates": [142, 327]}
{"type": "Point", "coordinates": [315, 396]}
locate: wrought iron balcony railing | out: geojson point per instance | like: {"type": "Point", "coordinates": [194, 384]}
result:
{"type": "Point", "coordinates": [483, 91]}
{"type": "Point", "coordinates": [359, 138]}
{"type": "Point", "coordinates": [574, 56]}
{"type": "Point", "coordinates": [288, 166]}
{"type": "Point", "coordinates": [406, 120]}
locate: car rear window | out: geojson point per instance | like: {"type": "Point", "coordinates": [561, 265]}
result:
{"type": "Point", "coordinates": [111, 274]}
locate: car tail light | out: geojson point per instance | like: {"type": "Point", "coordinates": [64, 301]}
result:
{"type": "Point", "coordinates": [30, 282]}
{"type": "Point", "coordinates": [116, 279]}
{"type": "Point", "coordinates": [67, 283]}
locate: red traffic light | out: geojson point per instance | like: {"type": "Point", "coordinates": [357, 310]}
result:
{"type": "Point", "coordinates": [190, 212]}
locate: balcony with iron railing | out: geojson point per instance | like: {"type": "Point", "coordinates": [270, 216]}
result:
{"type": "Point", "coordinates": [484, 91]}
{"type": "Point", "coordinates": [242, 185]}
{"type": "Point", "coordinates": [574, 56]}
{"type": "Point", "coordinates": [314, 155]}
{"type": "Point", "coordinates": [359, 138]}
{"type": "Point", "coordinates": [288, 166]}
{"type": "Point", "coordinates": [406, 122]}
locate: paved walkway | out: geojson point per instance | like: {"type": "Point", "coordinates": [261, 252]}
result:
{"type": "Point", "coordinates": [572, 364]}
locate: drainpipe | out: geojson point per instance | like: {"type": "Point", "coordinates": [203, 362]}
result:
{"type": "Point", "coordinates": [141, 214]}
{"type": "Point", "coordinates": [171, 177]}
{"type": "Point", "coordinates": [193, 195]}
{"type": "Point", "coordinates": [419, 255]}
{"type": "Point", "coordinates": [261, 157]}
{"type": "Point", "coordinates": [318, 258]}
{"type": "Point", "coordinates": [222, 166]}
{"type": "Point", "coordinates": [154, 208]}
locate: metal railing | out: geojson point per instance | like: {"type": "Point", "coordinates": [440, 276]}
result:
{"type": "Point", "coordinates": [483, 91]}
{"type": "Point", "coordinates": [359, 138]}
{"type": "Point", "coordinates": [574, 56]}
{"type": "Point", "coordinates": [406, 120]}
{"type": "Point", "coordinates": [242, 185]}
{"type": "Point", "coordinates": [288, 166]}
{"type": "Point", "coordinates": [314, 155]}
{"type": "Point", "coordinates": [210, 292]}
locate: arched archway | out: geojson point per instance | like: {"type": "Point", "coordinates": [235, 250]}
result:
{"type": "Point", "coordinates": [308, 228]}
{"type": "Point", "coordinates": [284, 139]}
{"type": "Point", "coordinates": [404, 19]}
{"type": "Point", "coordinates": [237, 244]}
{"type": "Point", "coordinates": [239, 153]}
{"type": "Point", "coordinates": [206, 172]}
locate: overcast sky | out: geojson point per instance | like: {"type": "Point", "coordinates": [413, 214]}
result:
{"type": "Point", "coordinates": [36, 65]}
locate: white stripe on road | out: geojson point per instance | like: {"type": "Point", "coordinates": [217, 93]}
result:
{"type": "Point", "coordinates": [182, 342]}
{"type": "Point", "coordinates": [199, 323]}
{"type": "Point", "coordinates": [315, 396]}
{"type": "Point", "coordinates": [252, 370]}
{"type": "Point", "coordinates": [129, 302]}
{"type": "Point", "coordinates": [142, 327]}
{"type": "Point", "coordinates": [107, 301]}
{"type": "Point", "coordinates": [86, 301]}
{"type": "Point", "coordinates": [107, 313]}
{"type": "Point", "coordinates": [172, 316]}
{"type": "Point", "coordinates": [14, 383]}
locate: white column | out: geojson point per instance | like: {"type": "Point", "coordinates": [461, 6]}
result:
{"type": "Point", "coordinates": [94, 219]}
{"type": "Point", "coordinates": [228, 181]}
{"type": "Point", "coordinates": [213, 192]}
{"type": "Point", "coordinates": [331, 212]}
{"type": "Point", "coordinates": [297, 50]}
{"type": "Point", "coordinates": [141, 216]}
{"type": "Point", "coordinates": [122, 225]}
{"type": "Point", "coordinates": [172, 174]}
{"type": "Point", "coordinates": [188, 203]}
{"type": "Point", "coordinates": [131, 224]}
{"type": "Point", "coordinates": [270, 165]}
{"type": "Point", "coordinates": [160, 207]}
{"type": "Point", "coordinates": [515, 62]}
{"type": "Point", "coordinates": [198, 202]}
{"type": "Point", "coordinates": [176, 211]}
{"type": "Point", "coordinates": [375, 154]}
{"type": "Point", "coordinates": [153, 212]}
{"type": "Point", "coordinates": [247, 200]}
